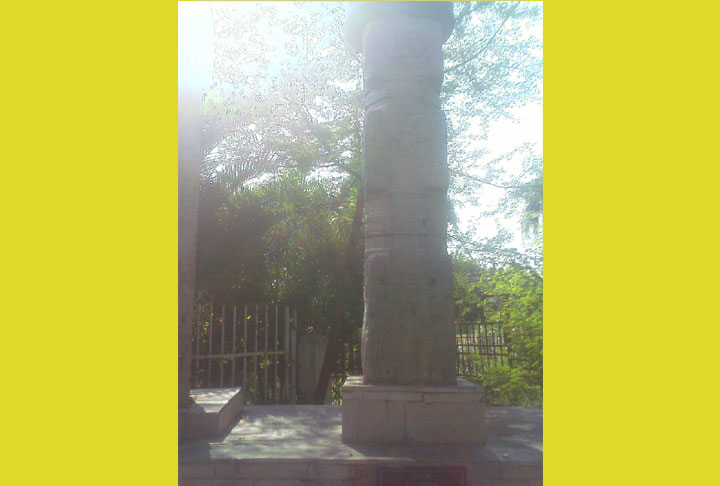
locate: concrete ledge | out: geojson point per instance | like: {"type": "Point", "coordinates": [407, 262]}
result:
{"type": "Point", "coordinates": [421, 414]}
{"type": "Point", "coordinates": [294, 445]}
{"type": "Point", "coordinates": [212, 414]}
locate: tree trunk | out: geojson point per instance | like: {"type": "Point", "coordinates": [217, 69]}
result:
{"type": "Point", "coordinates": [335, 339]}
{"type": "Point", "coordinates": [328, 366]}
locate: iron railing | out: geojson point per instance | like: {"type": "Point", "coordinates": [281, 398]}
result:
{"type": "Point", "coordinates": [253, 346]}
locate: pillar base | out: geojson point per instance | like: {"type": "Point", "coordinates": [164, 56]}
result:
{"type": "Point", "coordinates": [213, 412]}
{"type": "Point", "coordinates": [413, 413]}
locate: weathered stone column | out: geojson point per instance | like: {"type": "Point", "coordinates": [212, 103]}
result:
{"type": "Point", "coordinates": [209, 412]}
{"type": "Point", "coordinates": [408, 330]}
{"type": "Point", "coordinates": [188, 180]}
{"type": "Point", "coordinates": [408, 339]}
{"type": "Point", "coordinates": [190, 127]}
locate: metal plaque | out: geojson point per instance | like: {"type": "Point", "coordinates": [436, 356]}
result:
{"type": "Point", "coordinates": [421, 476]}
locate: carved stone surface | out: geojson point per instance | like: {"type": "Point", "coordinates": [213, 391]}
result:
{"type": "Point", "coordinates": [408, 333]}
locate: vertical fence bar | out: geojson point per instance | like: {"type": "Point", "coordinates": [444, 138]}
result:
{"type": "Point", "coordinates": [351, 356]}
{"type": "Point", "coordinates": [492, 329]}
{"type": "Point", "coordinates": [498, 330]}
{"type": "Point", "coordinates": [265, 360]}
{"type": "Point", "coordinates": [458, 338]}
{"type": "Point", "coordinates": [222, 346]}
{"type": "Point", "coordinates": [468, 349]}
{"type": "Point", "coordinates": [457, 351]}
{"type": "Point", "coordinates": [286, 348]}
{"type": "Point", "coordinates": [245, 359]}
{"type": "Point", "coordinates": [490, 344]}
{"type": "Point", "coordinates": [234, 349]}
{"type": "Point", "coordinates": [487, 343]}
{"type": "Point", "coordinates": [212, 314]}
{"type": "Point", "coordinates": [277, 358]}
{"type": "Point", "coordinates": [502, 344]}
{"type": "Point", "coordinates": [356, 361]}
{"type": "Point", "coordinates": [476, 348]}
{"type": "Point", "coordinates": [197, 347]}
{"type": "Point", "coordinates": [293, 357]}
{"type": "Point", "coordinates": [462, 347]}
{"type": "Point", "coordinates": [471, 346]}
{"type": "Point", "coordinates": [255, 358]}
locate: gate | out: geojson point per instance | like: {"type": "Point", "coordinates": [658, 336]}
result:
{"type": "Point", "coordinates": [252, 346]}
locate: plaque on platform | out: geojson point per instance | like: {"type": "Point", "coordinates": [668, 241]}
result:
{"type": "Point", "coordinates": [421, 476]}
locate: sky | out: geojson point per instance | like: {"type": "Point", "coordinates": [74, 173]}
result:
{"type": "Point", "coordinates": [196, 46]}
{"type": "Point", "coordinates": [504, 135]}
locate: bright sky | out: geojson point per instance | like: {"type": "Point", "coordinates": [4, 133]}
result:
{"type": "Point", "coordinates": [195, 46]}
{"type": "Point", "coordinates": [195, 66]}
{"type": "Point", "coordinates": [503, 136]}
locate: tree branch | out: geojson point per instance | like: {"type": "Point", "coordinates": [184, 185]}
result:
{"type": "Point", "coordinates": [487, 44]}
{"type": "Point", "coordinates": [500, 186]}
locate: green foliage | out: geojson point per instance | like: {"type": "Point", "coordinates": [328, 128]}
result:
{"type": "Point", "coordinates": [505, 386]}
{"type": "Point", "coordinates": [282, 241]}
{"type": "Point", "coordinates": [511, 295]}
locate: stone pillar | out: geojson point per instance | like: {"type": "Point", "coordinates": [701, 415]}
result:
{"type": "Point", "coordinates": [189, 158]}
{"type": "Point", "coordinates": [194, 73]}
{"type": "Point", "coordinates": [408, 331]}
{"type": "Point", "coordinates": [408, 338]}
{"type": "Point", "coordinates": [210, 412]}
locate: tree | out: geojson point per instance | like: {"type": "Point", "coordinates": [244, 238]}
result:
{"type": "Point", "coordinates": [512, 295]}
{"type": "Point", "coordinates": [493, 65]}
{"type": "Point", "coordinates": [283, 136]}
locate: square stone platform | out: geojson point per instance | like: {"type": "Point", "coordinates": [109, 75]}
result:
{"type": "Point", "coordinates": [212, 414]}
{"type": "Point", "coordinates": [421, 414]}
{"type": "Point", "coordinates": [294, 445]}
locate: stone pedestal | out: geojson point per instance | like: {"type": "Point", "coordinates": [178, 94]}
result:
{"type": "Point", "coordinates": [412, 413]}
{"type": "Point", "coordinates": [213, 412]}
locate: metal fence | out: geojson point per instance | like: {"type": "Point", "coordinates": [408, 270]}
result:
{"type": "Point", "coordinates": [253, 346]}
{"type": "Point", "coordinates": [479, 345]}
{"type": "Point", "coordinates": [349, 364]}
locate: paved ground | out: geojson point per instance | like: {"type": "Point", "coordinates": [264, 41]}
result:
{"type": "Point", "coordinates": [281, 432]}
